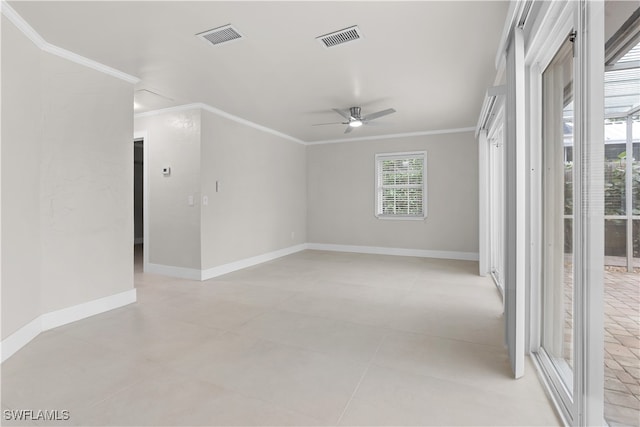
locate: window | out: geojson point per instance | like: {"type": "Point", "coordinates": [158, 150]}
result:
{"type": "Point", "coordinates": [400, 185]}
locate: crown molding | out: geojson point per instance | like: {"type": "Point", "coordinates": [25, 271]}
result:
{"type": "Point", "coordinates": [394, 135]}
{"type": "Point", "coordinates": [40, 42]}
{"type": "Point", "coordinates": [221, 113]}
{"type": "Point", "coordinates": [176, 109]}
{"type": "Point", "coordinates": [246, 122]}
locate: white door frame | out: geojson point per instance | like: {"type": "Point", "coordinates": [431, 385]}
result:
{"type": "Point", "coordinates": [587, 19]}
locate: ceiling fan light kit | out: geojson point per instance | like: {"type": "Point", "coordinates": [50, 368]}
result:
{"type": "Point", "coordinates": [354, 117]}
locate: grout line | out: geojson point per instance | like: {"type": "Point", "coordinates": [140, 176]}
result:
{"type": "Point", "coordinates": [366, 371]}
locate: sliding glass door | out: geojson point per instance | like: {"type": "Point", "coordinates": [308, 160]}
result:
{"type": "Point", "coordinates": [557, 290]}
{"type": "Point", "coordinates": [497, 197]}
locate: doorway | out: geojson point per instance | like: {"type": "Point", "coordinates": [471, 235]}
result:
{"type": "Point", "coordinates": [138, 202]}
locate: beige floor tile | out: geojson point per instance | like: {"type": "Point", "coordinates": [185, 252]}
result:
{"type": "Point", "coordinates": [373, 313]}
{"type": "Point", "coordinates": [243, 293]}
{"type": "Point", "coordinates": [288, 343]}
{"type": "Point", "coordinates": [477, 365]}
{"type": "Point", "coordinates": [298, 282]}
{"type": "Point", "coordinates": [73, 384]}
{"type": "Point", "coordinates": [358, 291]}
{"type": "Point", "coordinates": [17, 419]}
{"type": "Point", "coordinates": [50, 350]}
{"type": "Point", "coordinates": [11, 417]}
{"type": "Point", "coordinates": [390, 397]}
{"type": "Point", "coordinates": [346, 340]}
{"type": "Point", "coordinates": [311, 383]}
{"type": "Point", "coordinates": [450, 320]}
{"type": "Point", "coordinates": [185, 401]}
{"type": "Point", "coordinates": [139, 334]}
{"type": "Point", "coordinates": [373, 275]}
{"type": "Point", "coordinates": [223, 315]}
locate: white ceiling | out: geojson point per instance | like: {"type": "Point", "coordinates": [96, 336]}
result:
{"type": "Point", "coordinates": [432, 61]}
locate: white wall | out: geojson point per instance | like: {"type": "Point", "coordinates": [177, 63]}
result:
{"type": "Point", "coordinates": [67, 179]}
{"type": "Point", "coordinates": [341, 195]}
{"type": "Point", "coordinates": [261, 205]}
{"type": "Point", "coordinates": [21, 153]}
{"type": "Point", "coordinates": [86, 187]}
{"type": "Point", "coordinates": [173, 140]}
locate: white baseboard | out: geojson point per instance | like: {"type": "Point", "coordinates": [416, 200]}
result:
{"type": "Point", "coordinates": [44, 322]}
{"type": "Point", "coordinates": [169, 270]}
{"type": "Point", "coordinates": [209, 273]}
{"type": "Point", "coordinates": [87, 309]}
{"type": "Point", "coordinates": [248, 262]}
{"type": "Point", "coordinates": [420, 253]}
{"type": "Point", "coordinates": [14, 342]}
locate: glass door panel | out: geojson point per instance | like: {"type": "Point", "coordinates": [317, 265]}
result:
{"type": "Point", "coordinates": [557, 296]}
{"type": "Point", "coordinates": [497, 197]}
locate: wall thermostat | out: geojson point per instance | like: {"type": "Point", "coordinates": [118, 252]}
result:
{"type": "Point", "coordinates": [166, 171]}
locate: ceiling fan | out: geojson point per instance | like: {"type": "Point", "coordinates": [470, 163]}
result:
{"type": "Point", "coordinates": [355, 119]}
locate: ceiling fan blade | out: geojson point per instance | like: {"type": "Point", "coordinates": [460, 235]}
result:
{"type": "Point", "coordinates": [373, 116]}
{"type": "Point", "coordinates": [348, 129]}
{"type": "Point", "coordinates": [344, 114]}
{"type": "Point", "coordinates": [332, 123]}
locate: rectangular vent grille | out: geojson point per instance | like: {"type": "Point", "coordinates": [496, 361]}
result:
{"type": "Point", "coordinates": [220, 35]}
{"type": "Point", "coordinates": [340, 37]}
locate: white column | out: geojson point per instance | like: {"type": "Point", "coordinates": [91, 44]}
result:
{"type": "Point", "coordinates": [515, 201]}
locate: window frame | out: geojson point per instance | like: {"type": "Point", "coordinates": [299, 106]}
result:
{"type": "Point", "coordinates": [378, 186]}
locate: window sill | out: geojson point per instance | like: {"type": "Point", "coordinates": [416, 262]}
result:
{"type": "Point", "coordinates": [401, 218]}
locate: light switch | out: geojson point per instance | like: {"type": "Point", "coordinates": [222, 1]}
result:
{"type": "Point", "coordinates": [190, 200]}
{"type": "Point", "coordinates": [205, 200]}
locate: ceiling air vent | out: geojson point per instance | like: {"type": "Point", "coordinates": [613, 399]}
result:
{"type": "Point", "coordinates": [220, 35]}
{"type": "Point", "coordinates": [340, 37]}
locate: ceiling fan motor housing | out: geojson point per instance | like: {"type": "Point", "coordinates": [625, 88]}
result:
{"type": "Point", "coordinates": [355, 113]}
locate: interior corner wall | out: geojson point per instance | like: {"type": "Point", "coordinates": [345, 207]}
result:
{"type": "Point", "coordinates": [260, 205]}
{"type": "Point", "coordinates": [67, 180]}
{"type": "Point", "coordinates": [173, 140]}
{"type": "Point", "coordinates": [341, 189]}
{"type": "Point", "coordinates": [21, 154]}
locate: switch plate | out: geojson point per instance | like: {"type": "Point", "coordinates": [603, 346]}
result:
{"type": "Point", "coordinates": [190, 200]}
{"type": "Point", "coordinates": [205, 200]}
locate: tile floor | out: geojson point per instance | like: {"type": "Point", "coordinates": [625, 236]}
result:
{"type": "Point", "coordinates": [622, 346]}
{"type": "Point", "coordinates": [315, 338]}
